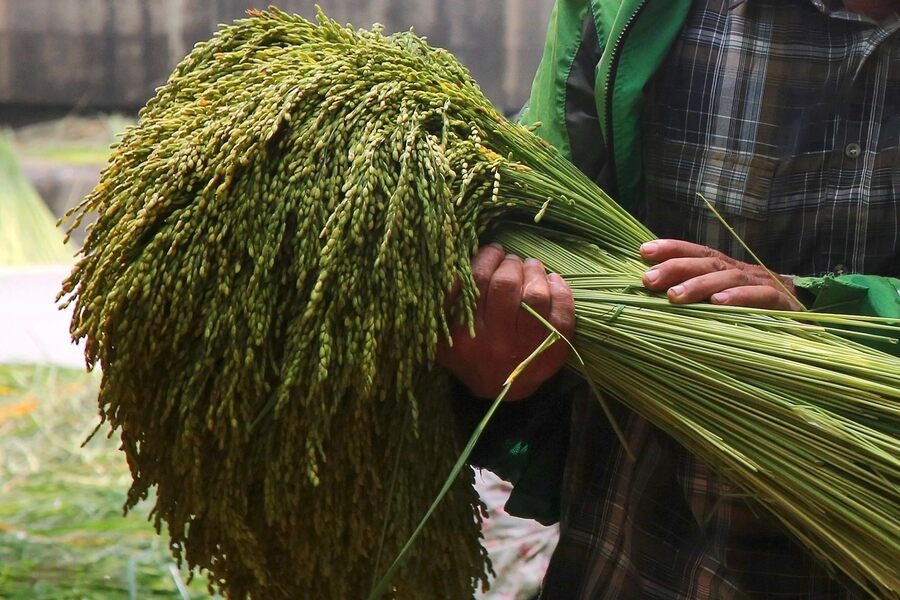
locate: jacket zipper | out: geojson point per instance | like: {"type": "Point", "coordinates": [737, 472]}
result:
{"type": "Point", "coordinates": [610, 77]}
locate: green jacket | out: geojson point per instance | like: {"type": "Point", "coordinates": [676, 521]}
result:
{"type": "Point", "coordinates": [632, 39]}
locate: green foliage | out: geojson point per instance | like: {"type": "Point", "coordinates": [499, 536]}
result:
{"type": "Point", "coordinates": [62, 534]}
{"type": "Point", "coordinates": [27, 231]}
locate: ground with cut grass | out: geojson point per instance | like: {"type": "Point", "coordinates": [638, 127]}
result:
{"type": "Point", "coordinates": [62, 533]}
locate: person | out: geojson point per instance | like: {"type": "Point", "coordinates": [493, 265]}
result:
{"type": "Point", "coordinates": [785, 114]}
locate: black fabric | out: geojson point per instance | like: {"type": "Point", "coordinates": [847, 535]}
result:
{"type": "Point", "coordinates": [525, 443]}
{"type": "Point", "coordinates": [582, 124]}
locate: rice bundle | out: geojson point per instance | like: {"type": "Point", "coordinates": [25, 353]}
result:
{"type": "Point", "coordinates": [264, 290]}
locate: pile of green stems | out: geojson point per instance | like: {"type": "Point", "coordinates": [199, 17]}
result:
{"type": "Point", "coordinates": [792, 408]}
{"type": "Point", "coordinates": [28, 234]}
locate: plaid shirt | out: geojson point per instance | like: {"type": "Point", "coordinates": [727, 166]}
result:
{"type": "Point", "coordinates": [786, 115]}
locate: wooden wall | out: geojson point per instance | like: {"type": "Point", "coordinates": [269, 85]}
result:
{"type": "Point", "coordinates": [111, 54]}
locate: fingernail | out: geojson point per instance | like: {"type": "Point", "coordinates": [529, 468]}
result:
{"type": "Point", "coordinates": [652, 276]}
{"type": "Point", "coordinates": [512, 256]}
{"type": "Point", "coordinates": [649, 248]}
{"type": "Point", "coordinates": [495, 245]}
{"type": "Point", "coordinates": [532, 262]}
{"type": "Point", "coordinates": [555, 278]}
{"type": "Point", "coordinates": [677, 290]}
{"type": "Point", "coordinates": [720, 298]}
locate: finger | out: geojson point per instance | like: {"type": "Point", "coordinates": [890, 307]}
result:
{"type": "Point", "coordinates": [536, 287]}
{"type": "Point", "coordinates": [699, 289]}
{"type": "Point", "coordinates": [562, 306]}
{"type": "Point", "coordinates": [484, 263]}
{"type": "Point", "coordinates": [755, 296]}
{"type": "Point", "coordinates": [504, 292]}
{"type": "Point", "coordinates": [444, 353]}
{"type": "Point", "coordinates": [660, 250]}
{"type": "Point", "coordinates": [678, 270]}
{"type": "Point", "coordinates": [536, 294]}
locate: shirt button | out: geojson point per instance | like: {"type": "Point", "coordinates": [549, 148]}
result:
{"type": "Point", "coordinates": [852, 150]}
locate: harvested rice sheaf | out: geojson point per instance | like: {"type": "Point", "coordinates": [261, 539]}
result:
{"type": "Point", "coordinates": [264, 290]}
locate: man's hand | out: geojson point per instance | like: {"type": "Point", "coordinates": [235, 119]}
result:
{"type": "Point", "coordinates": [694, 273]}
{"type": "Point", "coordinates": [505, 334]}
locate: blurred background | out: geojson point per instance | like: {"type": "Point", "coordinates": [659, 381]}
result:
{"type": "Point", "coordinates": [58, 56]}
{"type": "Point", "coordinates": [73, 75]}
